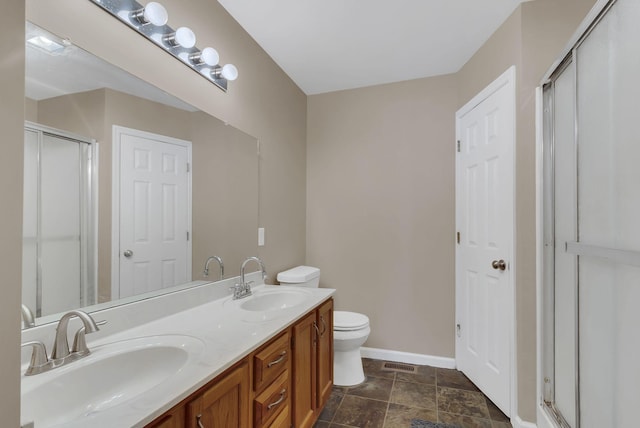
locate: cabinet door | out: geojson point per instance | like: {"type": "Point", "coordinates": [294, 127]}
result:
{"type": "Point", "coordinates": [224, 404]}
{"type": "Point", "coordinates": [304, 372]}
{"type": "Point", "coordinates": [174, 418]}
{"type": "Point", "coordinates": [325, 353]}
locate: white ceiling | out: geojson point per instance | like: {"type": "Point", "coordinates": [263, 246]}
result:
{"type": "Point", "coordinates": [343, 44]}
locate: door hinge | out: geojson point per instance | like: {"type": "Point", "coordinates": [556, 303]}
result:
{"type": "Point", "coordinates": [458, 237]}
{"type": "Point", "coordinates": [187, 235]}
{"type": "Point", "coordinates": [458, 330]}
{"type": "Point", "coordinates": [189, 166]}
{"type": "Point", "coordinates": [458, 146]}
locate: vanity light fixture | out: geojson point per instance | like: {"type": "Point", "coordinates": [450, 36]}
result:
{"type": "Point", "coordinates": [180, 43]}
{"type": "Point", "coordinates": [183, 36]}
{"type": "Point", "coordinates": [227, 71]}
{"type": "Point", "coordinates": [153, 13]}
{"type": "Point", "coordinates": [208, 56]}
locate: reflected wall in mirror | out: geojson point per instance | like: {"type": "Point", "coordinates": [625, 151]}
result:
{"type": "Point", "coordinates": [89, 242]}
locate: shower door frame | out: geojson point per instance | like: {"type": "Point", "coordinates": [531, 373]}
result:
{"type": "Point", "coordinates": [548, 416]}
{"type": "Point", "coordinates": [88, 291]}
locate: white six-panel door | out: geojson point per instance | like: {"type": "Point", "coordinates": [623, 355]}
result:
{"type": "Point", "coordinates": [154, 247]}
{"type": "Point", "coordinates": [484, 251]}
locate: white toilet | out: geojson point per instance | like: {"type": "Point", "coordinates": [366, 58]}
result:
{"type": "Point", "coordinates": [350, 330]}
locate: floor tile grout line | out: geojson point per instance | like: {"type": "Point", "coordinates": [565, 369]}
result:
{"type": "Point", "coordinates": [393, 384]}
{"type": "Point", "coordinates": [337, 408]}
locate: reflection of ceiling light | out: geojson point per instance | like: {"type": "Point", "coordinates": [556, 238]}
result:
{"type": "Point", "coordinates": [46, 44]}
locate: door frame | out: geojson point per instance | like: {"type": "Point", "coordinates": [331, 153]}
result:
{"type": "Point", "coordinates": [116, 133]}
{"type": "Point", "coordinates": [508, 78]}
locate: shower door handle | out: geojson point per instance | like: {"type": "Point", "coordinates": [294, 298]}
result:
{"type": "Point", "coordinates": [127, 253]}
{"type": "Point", "coordinates": [499, 264]}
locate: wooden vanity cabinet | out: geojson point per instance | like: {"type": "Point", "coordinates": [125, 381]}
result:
{"type": "Point", "coordinates": [174, 418]}
{"type": "Point", "coordinates": [272, 386]}
{"type": "Point", "coordinates": [225, 403]}
{"type": "Point", "coordinates": [312, 347]}
{"type": "Point", "coordinates": [325, 354]}
{"type": "Point", "coordinates": [283, 384]}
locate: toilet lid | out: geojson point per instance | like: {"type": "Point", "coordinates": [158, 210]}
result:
{"type": "Point", "coordinates": [345, 321]}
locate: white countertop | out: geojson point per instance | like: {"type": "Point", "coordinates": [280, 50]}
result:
{"type": "Point", "coordinates": [227, 334]}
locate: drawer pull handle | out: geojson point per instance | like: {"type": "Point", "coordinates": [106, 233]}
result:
{"type": "Point", "coordinates": [283, 394]}
{"type": "Point", "coordinates": [199, 422]}
{"type": "Point", "coordinates": [279, 360]}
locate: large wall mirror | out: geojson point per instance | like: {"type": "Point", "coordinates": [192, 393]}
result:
{"type": "Point", "coordinates": [128, 190]}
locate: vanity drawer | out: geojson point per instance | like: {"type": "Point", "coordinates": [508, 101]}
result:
{"type": "Point", "coordinates": [271, 407]}
{"type": "Point", "coordinates": [270, 361]}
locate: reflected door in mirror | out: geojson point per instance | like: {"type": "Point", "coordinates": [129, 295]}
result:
{"type": "Point", "coordinates": [154, 212]}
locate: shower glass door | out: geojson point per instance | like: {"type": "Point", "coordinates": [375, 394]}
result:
{"type": "Point", "coordinates": [592, 226]}
{"type": "Point", "coordinates": [58, 221]}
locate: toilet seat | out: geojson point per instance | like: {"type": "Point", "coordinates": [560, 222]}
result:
{"type": "Point", "coordinates": [349, 321]}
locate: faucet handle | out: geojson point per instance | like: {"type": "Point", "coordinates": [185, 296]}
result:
{"type": "Point", "coordinates": [39, 361]}
{"type": "Point", "coordinates": [79, 341]}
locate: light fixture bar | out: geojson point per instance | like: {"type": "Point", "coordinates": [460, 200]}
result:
{"type": "Point", "coordinates": [130, 12]}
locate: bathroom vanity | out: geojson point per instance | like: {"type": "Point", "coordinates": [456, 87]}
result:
{"type": "Point", "coordinates": [262, 361]}
{"type": "Point", "coordinates": [286, 382]}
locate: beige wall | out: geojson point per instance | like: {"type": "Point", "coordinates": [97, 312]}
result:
{"type": "Point", "coordinates": [12, 108]}
{"type": "Point", "coordinates": [380, 203]}
{"type": "Point", "coordinates": [380, 222]}
{"type": "Point", "coordinates": [263, 102]}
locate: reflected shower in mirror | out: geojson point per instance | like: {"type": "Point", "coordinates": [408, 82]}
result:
{"type": "Point", "coordinates": [128, 190]}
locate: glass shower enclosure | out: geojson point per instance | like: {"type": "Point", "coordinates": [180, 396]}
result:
{"type": "Point", "coordinates": [591, 226]}
{"type": "Point", "coordinates": [59, 266]}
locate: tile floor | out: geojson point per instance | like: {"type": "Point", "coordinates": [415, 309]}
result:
{"type": "Point", "coordinates": [391, 399]}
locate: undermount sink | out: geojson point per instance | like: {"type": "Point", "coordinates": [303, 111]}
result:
{"type": "Point", "coordinates": [270, 302]}
{"type": "Point", "coordinates": [113, 374]}
{"type": "Point", "coordinates": [274, 300]}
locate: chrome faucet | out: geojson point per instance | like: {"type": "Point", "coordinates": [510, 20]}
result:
{"type": "Point", "coordinates": [206, 266]}
{"type": "Point", "coordinates": [61, 349]}
{"type": "Point", "coordinates": [243, 289]}
{"type": "Point", "coordinates": [28, 320]}
{"type": "Point", "coordinates": [39, 361]}
{"type": "Point", "coordinates": [61, 354]}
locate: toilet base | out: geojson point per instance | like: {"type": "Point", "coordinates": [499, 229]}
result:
{"type": "Point", "coordinates": [347, 368]}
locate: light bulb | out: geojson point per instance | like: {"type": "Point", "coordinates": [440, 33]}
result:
{"type": "Point", "coordinates": [153, 13]}
{"type": "Point", "coordinates": [156, 14]}
{"type": "Point", "coordinates": [229, 72]}
{"type": "Point", "coordinates": [185, 37]}
{"type": "Point", "coordinates": [210, 56]}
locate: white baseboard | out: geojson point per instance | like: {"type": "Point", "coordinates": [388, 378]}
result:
{"type": "Point", "coordinates": [408, 358]}
{"type": "Point", "coordinates": [517, 422]}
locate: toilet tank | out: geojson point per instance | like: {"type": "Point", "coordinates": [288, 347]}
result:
{"type": "Point", "coordinates": [301, 276]}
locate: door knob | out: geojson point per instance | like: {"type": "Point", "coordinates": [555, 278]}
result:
{"type": "Point", "coordinates": [128, 253]}
{"type": "Point", "coordinates": [499, 264]}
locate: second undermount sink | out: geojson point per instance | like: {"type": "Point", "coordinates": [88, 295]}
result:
{"type": "Point", "coordinates": [274, 299]}
{"type": "Point", "coordinates": [270, 302]}
{"type": "Point", "coordinates": [113, 374]}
